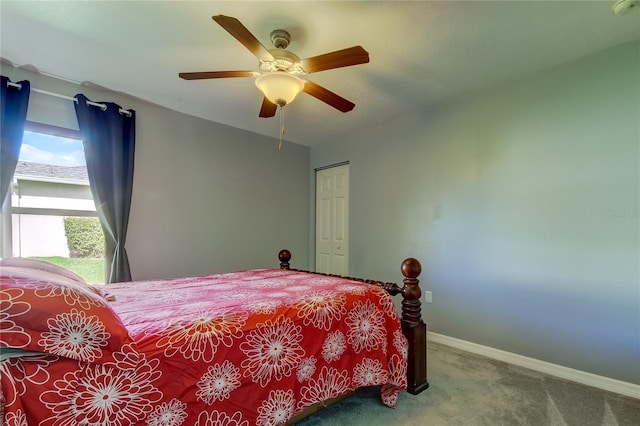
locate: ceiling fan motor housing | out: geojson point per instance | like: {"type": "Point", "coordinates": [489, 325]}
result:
{"type": "Point", "coordinates": [283, 61]}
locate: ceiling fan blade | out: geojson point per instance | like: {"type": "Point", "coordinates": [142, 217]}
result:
{"type": "Point", "coordinates": [268, 108]}
{"type": "Point", "coordinates": [340, 58]}
{"type": "Point", "coordinates": [215, 74]}
{"type": "Point", "coordinates": [242, 34]}
{"type": "Point", "coordinates": [328, 97]}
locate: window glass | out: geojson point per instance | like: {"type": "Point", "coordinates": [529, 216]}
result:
{"type": "Point", "coordinates": [53, 214]}
{"type": "Point", "coordinates": [51, 149]}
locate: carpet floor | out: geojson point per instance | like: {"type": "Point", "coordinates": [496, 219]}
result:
{"type": "Point", "coordinates": [471, 390]}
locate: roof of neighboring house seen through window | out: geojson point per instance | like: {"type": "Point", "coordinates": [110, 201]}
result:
{"type": "Point", "coordinates": [36, 171]}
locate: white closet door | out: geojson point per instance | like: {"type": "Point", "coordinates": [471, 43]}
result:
{"type": "Point", "coordinates": [332, 220]}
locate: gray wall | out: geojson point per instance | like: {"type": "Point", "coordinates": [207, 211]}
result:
{"type": "Point", "coordinates": [207, 198]}
{"type": "Point", "coordinates": [522, 204]}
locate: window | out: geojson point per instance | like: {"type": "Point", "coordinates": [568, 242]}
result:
{"type": "Point", "coordinates": [53, 216]}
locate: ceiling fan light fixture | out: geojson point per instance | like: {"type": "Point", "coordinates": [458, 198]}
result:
{"type": "Point", "coordinates": [281, 88]}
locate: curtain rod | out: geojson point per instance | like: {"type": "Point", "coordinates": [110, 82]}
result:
{"type": "Point", "coordinates": [69, 98]}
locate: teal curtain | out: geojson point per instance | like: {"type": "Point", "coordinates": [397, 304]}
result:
{"type": "Point", "coordinates": [13, 103]}
{"type": "Point", "coordinates": [109, 148]}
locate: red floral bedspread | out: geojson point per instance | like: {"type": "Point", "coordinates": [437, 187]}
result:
{"type": "Point", "coordinates": [245, 348]}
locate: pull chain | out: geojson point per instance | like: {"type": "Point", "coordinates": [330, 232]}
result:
{"type": "Point", "coordinates": [282, 129]}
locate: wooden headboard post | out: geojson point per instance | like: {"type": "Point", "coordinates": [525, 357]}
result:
{"type": "Point", "coordinates": [284, 256]}
{"type": "Point", "coordinates": [414, 329]}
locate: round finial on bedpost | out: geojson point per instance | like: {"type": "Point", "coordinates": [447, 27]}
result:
{"type": "Point", "coordinates": [284, 256]}
{"type": "Point", "coordinates": [411, 292]}
{"type": "Point", "coordinates": [411, 268]}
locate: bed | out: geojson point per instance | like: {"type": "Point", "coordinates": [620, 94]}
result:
{"type": "Point", "coordinates": [263, 347]}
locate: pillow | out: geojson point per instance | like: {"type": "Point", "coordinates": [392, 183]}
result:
{"type": "Point", "coordinates": [44, 312]}
{"type": "Point", "coordinates": [24, 262]}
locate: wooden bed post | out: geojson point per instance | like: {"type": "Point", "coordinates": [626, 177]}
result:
{"type": "Point", "coordinates": [414, 328]}
{"type": "Point", "coordinates": [284, 256]}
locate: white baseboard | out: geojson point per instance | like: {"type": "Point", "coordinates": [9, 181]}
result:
{"type": "Point", "coordinates": [589, 379]}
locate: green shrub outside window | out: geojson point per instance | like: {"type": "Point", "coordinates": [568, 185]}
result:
{"type": "Point", "coordinates": [84, 237]}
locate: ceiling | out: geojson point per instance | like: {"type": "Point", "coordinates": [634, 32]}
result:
{"type": "Point", "coordinates": [421, 52]}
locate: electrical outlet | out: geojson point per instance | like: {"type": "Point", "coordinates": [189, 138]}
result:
{"type": "Point", "coordinates": [428, 297]}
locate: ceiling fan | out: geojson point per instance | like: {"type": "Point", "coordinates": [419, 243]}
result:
{"type": "Point", "coordinates": [279, 80]}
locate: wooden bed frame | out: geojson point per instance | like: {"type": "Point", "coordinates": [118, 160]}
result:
{"type": "Point", "coordinates": [414, 329]}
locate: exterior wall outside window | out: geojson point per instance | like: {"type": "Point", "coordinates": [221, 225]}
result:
{"type": "Point", "coordinates": [36, 235]}
{"type": "Point", "coordinates": [39, 234]}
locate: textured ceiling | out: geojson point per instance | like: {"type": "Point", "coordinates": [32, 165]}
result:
{"type": "Point", "coordinates": [422, 52]}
